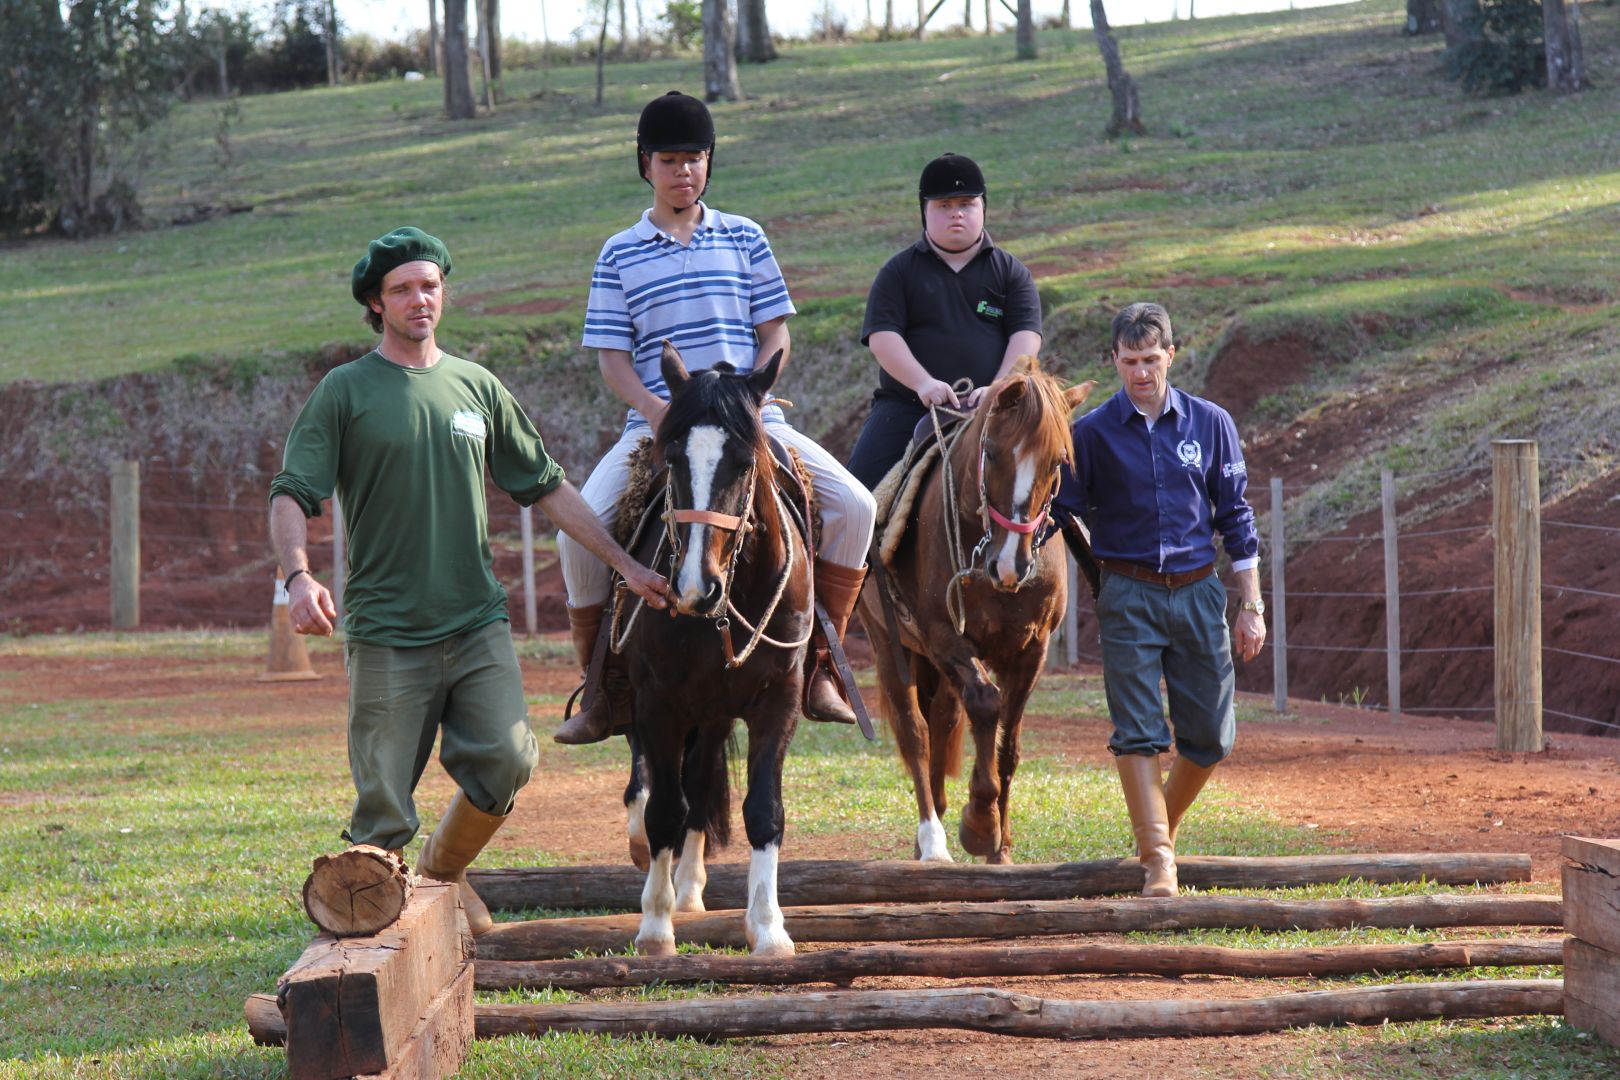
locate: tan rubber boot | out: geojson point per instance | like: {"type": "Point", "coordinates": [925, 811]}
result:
{"type": "Point", "coordinates": [461, 835]}
{"type": "Point", "coordinates": [1181, 787]}
{"type": "Point", "coordinates": [837, 588]}
{"type": "Point", "coordinates": [595, 723]}
{"type": "Point", "coordinates": [1144, 799]}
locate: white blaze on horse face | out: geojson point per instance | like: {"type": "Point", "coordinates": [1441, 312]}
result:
{"type": "Point", "coordinates": [703, 449]}
{"type": "Point", "coordinates": [931, 841]}
{"type": "Point", "coordinates": [1023, 484]}
{"type": "Point", "coordinates": [690, 873]}
{"type": "Point", "coordinates": [767, 935]}
{"type": "Point", "coordinates": [657, 934]}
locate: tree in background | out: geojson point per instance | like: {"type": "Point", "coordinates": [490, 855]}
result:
{"type": "Point", "coordinates": [433, 64]}
{"type": "Point", "coordinates": [1498, 47]}
{"type": "Point", "coordinates": [458, 94]}
{"type": "Point", "coordinates": [754, 42]}
{"type": "Point", "coordinates": [87, 83]}
{"type": "Point", "coordinates": [1566, 61]}
{"type": "Point", "coordinates": [684, 21]}
{"type": "Point", "coordinates": [719, 46]}
{"type": "Point", "coordinates": [1424, 17]}
{"type": "Point", "coordinates": [1127, 117]}
{"type": "Point", "coordinates": [1026, 31]}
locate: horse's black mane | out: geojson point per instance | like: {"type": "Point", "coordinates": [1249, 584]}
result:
{"type": "Point", "coordinates": [717, 395]}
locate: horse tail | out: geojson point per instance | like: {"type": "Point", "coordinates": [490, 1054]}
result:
{"type": "Point", "coordinates": [947, 719]}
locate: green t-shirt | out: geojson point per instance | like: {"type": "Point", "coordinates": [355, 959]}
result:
{"type": "Point", "coordinates": [405, 449]}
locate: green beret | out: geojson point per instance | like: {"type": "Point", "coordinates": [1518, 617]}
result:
{"type": "Point", "coordinates": [403, 245]}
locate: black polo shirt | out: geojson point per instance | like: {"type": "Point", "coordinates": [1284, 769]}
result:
{"type": "Point", "coordinates": [956, 324]}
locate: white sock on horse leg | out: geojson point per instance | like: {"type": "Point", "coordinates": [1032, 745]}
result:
{"type": "Point", "coordinates": [690, 873]}
{"type": "Point", "coordinates": [657, 934]}
{"type": "Point", "coordinates": [767, 935]}
{"type": "Point", "coordinates": [931, 846]}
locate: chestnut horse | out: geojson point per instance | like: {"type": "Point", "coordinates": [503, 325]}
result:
{"type": "Point", "coordinates": [976, 594]}
{"type": "Point", "coordinates": [732, 646]}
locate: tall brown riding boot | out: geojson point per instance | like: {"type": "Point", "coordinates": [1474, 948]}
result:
{"type": "Point", "coordinates": [461, 835]}
{"type": "Point", "coordinates": [837, 589]}
{"type": "Point", "coordinates": [595, 722]}
{"type": "Point", "coordinates": [1181, 787]}
{"type": "Point", "coordinates": [1144, 799]}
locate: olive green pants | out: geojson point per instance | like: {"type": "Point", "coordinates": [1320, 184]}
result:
{"type": "Point", "coordinates": [471, 687]}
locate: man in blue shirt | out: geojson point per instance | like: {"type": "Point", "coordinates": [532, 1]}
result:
{"type": "Point", "coordinates": [1157, 473]}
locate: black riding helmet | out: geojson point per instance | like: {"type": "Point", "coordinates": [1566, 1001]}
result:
{"type": "Point", "coordinates": [949, 176]}
{"type": "Point", "coordinates": [674, 121]}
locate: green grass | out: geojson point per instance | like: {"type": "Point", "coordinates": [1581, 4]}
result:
{"type": "Point", "coordinates": [149, 868]}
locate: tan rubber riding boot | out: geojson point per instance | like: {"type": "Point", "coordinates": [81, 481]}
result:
{"type": "Point", "coordinates": [1181, 787]}
{"type": "Point", "coordinates": [595, 723]}
{"type": "Point", "coordinates": [461, 835]}
{"type": "Point", "coordinates": [837, 588]}
{"type": "Point", "coordinates": [1144, 799]}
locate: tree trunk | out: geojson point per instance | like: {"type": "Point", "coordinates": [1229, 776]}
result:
{"type": "Point", "coordinates": [361, 890]}
{"type": "Point", "coordinates": [888, 17]}
{"type": "Point", "coordinates": [1423, 17]}
{"type": "Point", "coordinates": [1026, 31]}
{"type": "Point", "coordinates": [458, 94]}
{"type": "Point", "coordinates": [601, 50]}
{"type": "Point", "coordinates": [221, 57]}
{"type": "Point", "coordinates": [1459, 21]}
{"type": "Point", "coordinates": [433, 62]}
{"type": "Point", "coordinates": [1127, 115]}
{"type": "Point", "coordinates": [754, 42]}
{"type": "Point", "coordinates": [1566, 61]}
{"type": "Point", "coordinates": [491, 17]}
{"type": "Point", "coordinates": [967, 15]}
{"type": "Point", "coordinates": [624, 32]}
{"type": "Point", "coordinates": [1067, 22]}
{"type": "Point", "coordinates": [989, 20]}
{"type": "Point", "coordinates": [719, 44]}
{"type": "Point", "coordinates": [333, 71]}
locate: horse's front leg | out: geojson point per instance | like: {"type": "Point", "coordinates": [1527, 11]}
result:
{"type": "Point", "coordinates": [1015, 690]}
{"type": "Point", "coordinates": [665, 815]}
{"type": "Point", "coordinates": [768, 738]}
{"type": "Point", "coordinates": [981, 827]}
{"type": "Point", "coordinates": [635, 807]}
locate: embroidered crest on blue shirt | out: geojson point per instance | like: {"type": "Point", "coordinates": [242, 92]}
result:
{"type": "Point", "coordinates": [1234, 468]}
{"type": "Point", "coordinates": [1190, 453]}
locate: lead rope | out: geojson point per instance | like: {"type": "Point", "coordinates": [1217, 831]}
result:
{"type": "Point", "coordinates": [961, 565]}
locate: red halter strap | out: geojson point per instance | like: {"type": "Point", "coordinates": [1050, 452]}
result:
{"type": "Point", "coordinates": [995, 515]}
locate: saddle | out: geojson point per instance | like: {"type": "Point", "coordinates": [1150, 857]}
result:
{"type": "Point", "coordinates": [896, 495]}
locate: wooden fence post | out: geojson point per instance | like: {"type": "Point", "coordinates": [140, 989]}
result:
{"type": "Point", "coordinates": [1516, 509]}
{"type": "Point", "coordinates": [1392, 596]}
{"type": "Point", "coordinates": [1071, 613]}
{"type": "Point", "coordinates": [126, 545]}
{"type": "Point", "coordinates": [340, 561]}
{"type": "Point", "coordinates": [526, 530]}
{"type": "Point", "coordinates": [1278, 608]}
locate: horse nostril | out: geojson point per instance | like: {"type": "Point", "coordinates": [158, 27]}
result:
{"type": "Point", "coordinates": [711, 599]}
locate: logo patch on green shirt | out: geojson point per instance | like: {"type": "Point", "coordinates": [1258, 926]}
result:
{"type": "Point", "coordinates": [988, 310]}
{"type": "Point", "coordinates": [468, 423]}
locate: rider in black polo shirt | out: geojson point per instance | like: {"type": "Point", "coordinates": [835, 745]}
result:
{"type": "Point", "coordinates": [951, 306]}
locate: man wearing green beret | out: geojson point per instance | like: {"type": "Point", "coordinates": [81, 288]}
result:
{"type": "Point", "coordinates": [403, 436]}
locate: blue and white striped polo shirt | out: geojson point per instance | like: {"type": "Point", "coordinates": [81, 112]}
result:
{"type": "Point", "coordinates": [706, 296]}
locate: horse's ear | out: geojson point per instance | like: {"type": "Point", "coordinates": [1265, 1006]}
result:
{"type": "Point", "coordinates": [1012, 389]}
{"type": "Point", "coordinates": [1075, 395]}
{"type": "Point", "coordinates": [760, 380]}
{"type": "Point", "coordinates": [675, 374]}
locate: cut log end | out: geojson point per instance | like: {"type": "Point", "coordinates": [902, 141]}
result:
{"type": "Point", "coordinates": [361, 890]}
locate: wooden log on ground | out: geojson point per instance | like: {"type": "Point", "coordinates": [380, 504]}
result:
{"type": "Point", "coordinates": [842, 967]}
{"type": "Point", "coordinates": [360, 890]}
{"type": "Point", "coordinates": [352, 1004]}
{"type": "Point", "coordinates": [1591, 879]}
{"type": "Point", "coordinates": [811, 882]}
{"type": "Point", "coordinates": [1009, 1014]}
{"type": "Point", "coordinates": [1020, 1014]}
{"type": "Point", "coordinates": [551, 939]}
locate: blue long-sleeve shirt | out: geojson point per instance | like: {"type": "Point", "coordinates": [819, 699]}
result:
{"type": "Point", "coordinates": [1156, 496]}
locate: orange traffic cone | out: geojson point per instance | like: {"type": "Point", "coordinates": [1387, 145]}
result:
{"type": "Point", "coordinates": [289, 658]}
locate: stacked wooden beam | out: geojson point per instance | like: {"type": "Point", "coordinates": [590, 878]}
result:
{"type": "Point", "coordinates": [1592, 951]}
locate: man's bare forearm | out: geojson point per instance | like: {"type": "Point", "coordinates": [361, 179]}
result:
{"type": "Point", "coordinates": [289, 534]}
{"type": "Point", "coordinates": [574, 516]}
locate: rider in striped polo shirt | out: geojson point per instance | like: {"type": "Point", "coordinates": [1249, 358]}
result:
{"type": "Point", "coordinates": [708, 282]}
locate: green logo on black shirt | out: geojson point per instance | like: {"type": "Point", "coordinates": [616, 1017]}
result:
{"type": "Point", "coordinates": [989, 310]}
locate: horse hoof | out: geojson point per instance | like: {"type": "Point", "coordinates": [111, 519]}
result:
{"type": "Point", "coordinates": [655, 947]}
{"type": "Point", "coordinates": [777, 946]}
{"type": "Point", "coordinates": [977, 840]}
{"type": "Point", "coordinates": [999, 858]}
{"type": "Point", "coordinates": [691, 905]}
{"type": "Point", "coordinates": [640, 854]}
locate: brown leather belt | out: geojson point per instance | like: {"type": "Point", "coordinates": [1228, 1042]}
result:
{"type": "Point", "coordinates": [1142, 573]}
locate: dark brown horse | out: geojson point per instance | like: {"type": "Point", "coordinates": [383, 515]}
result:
{"type": "Point", "coordinates": [732, 646]}
{"type": "Point", "coordinates": [977, 596]}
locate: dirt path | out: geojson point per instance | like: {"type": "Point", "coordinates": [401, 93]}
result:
{"type": "Point", "coordinates": [1367, 783]}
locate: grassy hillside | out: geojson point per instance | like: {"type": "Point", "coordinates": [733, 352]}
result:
{"type": "Point", "coordinates": [1310, 181]}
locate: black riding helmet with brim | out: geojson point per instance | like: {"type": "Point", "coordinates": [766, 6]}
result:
{"type": "Point", "coordinates": [674, 122]}
{"type": "Point", "coordinates": [949, 176]}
